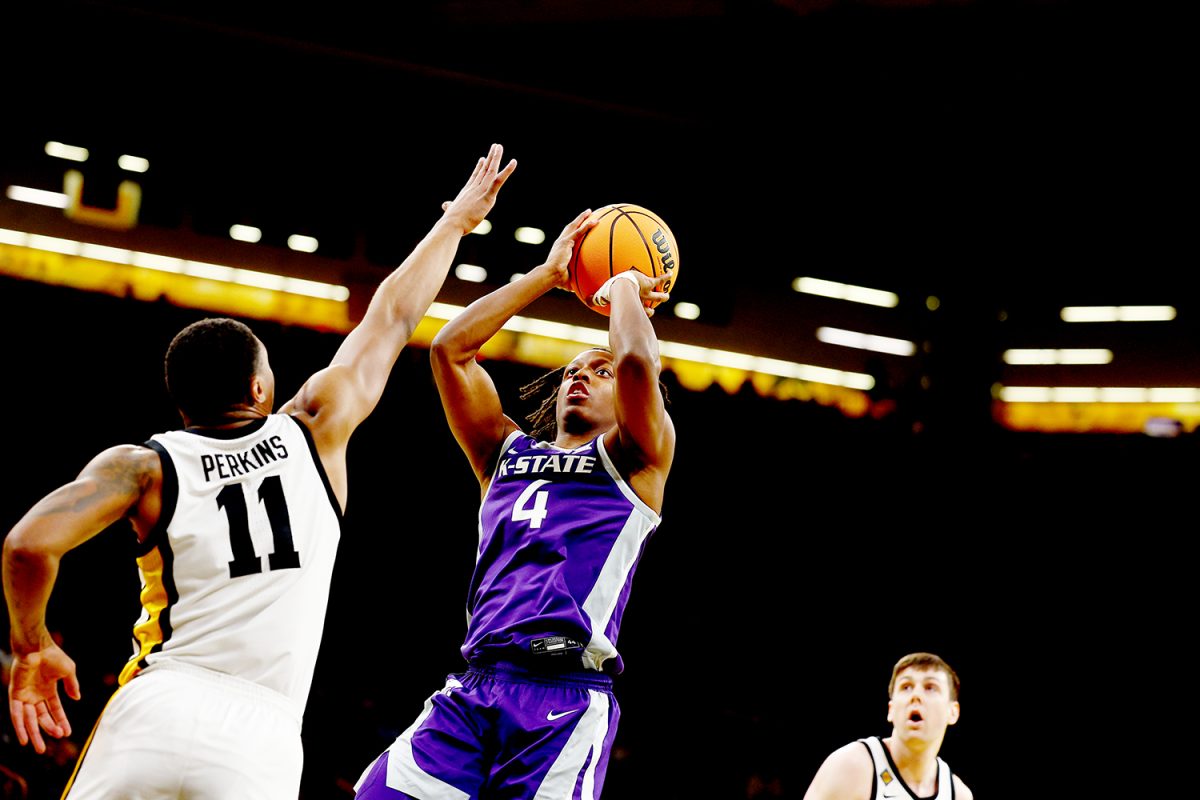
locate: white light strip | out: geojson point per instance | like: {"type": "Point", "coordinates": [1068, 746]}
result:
{"type": "Point", "coordinates": [16, 238]}
{"type": "Point", "coordinates": [68, 151]}
{"type": "Point", "coordinates": [302, 243]}
{"type": "Point", "coordinates": [1103, 394]}
{"type": "Point", "coordinates": [483, 228]}
{"type": "Point", "coordinates": [529, 235]}
{"type": "Point", "coordinates": [845, 291]}
{"type": "Point", "coordinates": [1051, 356]}
{"type": "Point", "coordinates": [1117, 313]}
{"type": "Point", "coordinates": [687, 310]}
{"type": "Point", "coordinates": [683, 352]}
{"type": "Point", "coordinates": [866, 341]}
{"type": "Point", "coordinates": [38, 197]}
{"type": "Point", "coordinates": [179, 266]}
{"type": "Point", "coordinates": [245, 233]}
{"type": "Point", "coordinates": [470, 273]}
{"type": "Point", "coordinates": [133, 163]}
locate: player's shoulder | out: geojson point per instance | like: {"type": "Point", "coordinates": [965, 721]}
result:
{"type": "Point", "coordinates": [852, 757]}
{"type": "Point", "coordinates": [133, 458]}
{"type": "Point", "coordinates": [850, 764]}
{"type": "Point", "coordinates": [961, 792]}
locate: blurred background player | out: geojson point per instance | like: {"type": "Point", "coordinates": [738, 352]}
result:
{"type": "Point", "coordinates": [923, 702]}
{"type": "Point", "coordinates": [238, 519]}
{"type": "Point", "coordinates": [565, 514]}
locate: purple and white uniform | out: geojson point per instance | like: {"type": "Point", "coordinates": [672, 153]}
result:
{"type": "Point", "coordinates": [560, 534]}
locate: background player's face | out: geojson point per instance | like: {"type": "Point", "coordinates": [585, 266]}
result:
{"type": "Point", "coordinates": [585, 396]}
{"type": "Point", "coordinates": [921, 707]}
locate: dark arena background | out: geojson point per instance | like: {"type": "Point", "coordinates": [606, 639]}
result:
{"type": "Point", "coordinates": [989, 164]}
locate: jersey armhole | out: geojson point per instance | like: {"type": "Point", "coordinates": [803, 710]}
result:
{"type": "Point", "coordinates": [169, 498]}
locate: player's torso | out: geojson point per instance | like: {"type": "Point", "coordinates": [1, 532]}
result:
{"type": "Point", "coordinates": [888, 783]}
{"type": "Point", "coordinates": [560, 535]}
{"type": "Point", "coordinates": [236, 574]}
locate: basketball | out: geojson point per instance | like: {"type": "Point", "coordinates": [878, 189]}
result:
{"type": "Point", "coordinates": [627, 237]}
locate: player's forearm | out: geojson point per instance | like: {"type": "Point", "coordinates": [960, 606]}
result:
{"type": "Point", "coordinates": [405, 295]}
{"type": "Point", "coordinates": [29, 574]}
{"type": "Point", "coordinates": [630, 334]}
{"type": "Point", "coordinates": [461, 337]}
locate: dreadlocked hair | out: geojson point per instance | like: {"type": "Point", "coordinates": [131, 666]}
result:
{"type": "Point", "coordinates": [544, 419]}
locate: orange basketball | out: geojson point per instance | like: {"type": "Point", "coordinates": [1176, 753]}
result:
{"type": "Point", "coordinates": [627, 237]}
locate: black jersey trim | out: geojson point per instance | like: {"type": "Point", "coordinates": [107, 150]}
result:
{"type": "Point", "coordinates": [874, 776]}
{"type": "Point", "coordinates": [316, 457]}
{"type": "Point", "coordinates": [169, 495]}
{"type": "Point", "coordinates": [158, 539]}
{"type": "Point", "coordinates": [888, 755]}
{"type": "Point", "coordinates": [229, 433]}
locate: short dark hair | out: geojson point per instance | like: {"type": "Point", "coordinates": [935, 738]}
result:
{"type": "Point", "coordinates": [209, 366]}
{"type": "Point", "coordinates": [925, 661]}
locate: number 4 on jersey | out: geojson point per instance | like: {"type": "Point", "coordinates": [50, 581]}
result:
{"type": "Point", "coordinates": [536, 514]}
{"type": "Point", "coordinates": [245, 561]}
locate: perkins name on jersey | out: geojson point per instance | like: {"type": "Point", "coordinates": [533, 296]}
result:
{"type": "Point", "coordinates": [231, 465]}
{"type": "Point", "coordinates": [533, 465]}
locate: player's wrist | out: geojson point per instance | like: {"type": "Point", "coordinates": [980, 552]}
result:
{"type": "Point", "coordinates": [603, 295]}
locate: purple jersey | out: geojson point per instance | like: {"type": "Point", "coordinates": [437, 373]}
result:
{"type": "Point", "coordinates": [560, 534]}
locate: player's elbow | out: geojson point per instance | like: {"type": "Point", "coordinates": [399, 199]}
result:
{"type": "Point", "coordinates": [444, 351]}
{"type": "Point", "coordinates": [24, 550]}
{"type": "Point", "coordinates": [639, 364]}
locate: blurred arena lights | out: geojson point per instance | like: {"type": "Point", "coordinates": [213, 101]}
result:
{"type": "Point", "coordinates": [302, 243]}
{"type": "Point", "coordinates": [845, 291]}
{"type": "Point", "coordinates": [687, 310]}
{"type": "Point", "coordinates": [1098, 394]}
{"type": "Point", "coordinates": [470, 273]}
{"type": "Point", "coordinates": [1034, 356]}
{"type": "Point", "coordinates": [1118, 313]}
{"type": "Point", "coordinates": [245, 233]}
{"type": "Point", "coordinates": [68, 152]}
{"type": "Point", "coordinates": [529, 235]}
{"type": "Point", "coordinates": [483, 228]}
{"type": "Point", "coordinates": [39, 197]}
{"type": "Point", "coordinates": [133, 163]}
{"type": "Point", "coordinates": [866, 341]}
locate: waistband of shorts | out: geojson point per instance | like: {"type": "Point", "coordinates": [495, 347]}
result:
{"type": "Point", "coordinates": [229, 683]}
{"type": "Point", "coordinates": [580, 678]}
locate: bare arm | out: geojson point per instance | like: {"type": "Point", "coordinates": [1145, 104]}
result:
{"type": "Point", "coordinates": [845, 775]}
{"type": "Point", "coordinates": [122, 482]}
{"type": "Point", "coordinates": [468, 395]}
{"type": "Point", "coordinates": [960, 789]}
{"type": "Point", "coordinates": [338, 398]}
{"type": "Point", "coordinates": [645, 438]}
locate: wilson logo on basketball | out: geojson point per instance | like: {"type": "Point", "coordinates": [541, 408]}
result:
{"type": "Point", "coordinates": [664, 248]}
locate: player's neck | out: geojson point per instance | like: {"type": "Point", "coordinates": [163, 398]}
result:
{"type": "Point", "coordinates": [569, 441]}
{"type": "Point", "coordinates": [234, 418]}
{"type": "Point", "coordinates": [918, 764]}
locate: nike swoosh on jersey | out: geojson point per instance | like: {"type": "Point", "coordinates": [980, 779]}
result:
{"type": "Point", "coordinates": [550, 715]}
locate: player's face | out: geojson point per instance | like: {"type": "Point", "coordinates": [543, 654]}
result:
{"type": "Point", "coordinates": [921, 707]}
{"type": "Point", "coordinates": [585, 396]}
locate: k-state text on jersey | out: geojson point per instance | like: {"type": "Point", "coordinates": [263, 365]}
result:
{"type": "Point", "coordinates": [232, 465]}
{"type": "Point", "coordinates": [532, 465]}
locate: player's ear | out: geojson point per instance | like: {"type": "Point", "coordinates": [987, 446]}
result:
{"type": "Point", "coordinates": [954, 712]}
{"type": "Point", "coordinates": [890, 710]}
{"type": "Point", "coordinates": [257, 391]}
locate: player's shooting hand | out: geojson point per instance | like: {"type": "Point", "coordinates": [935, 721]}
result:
{"type": "Point", "coordinates": [564, 246]}
{"type": "Point", "coordinates": [33, 699]}
{"type": "Point", "coordinates": [652, 290]}
{"type": "Point", "coordinates": [478, 195]}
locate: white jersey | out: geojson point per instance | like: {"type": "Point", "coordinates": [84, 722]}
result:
{"type": "Point", "coordinates": [888, 784]}
{"type": "Point", "coordinates": [235, 575]}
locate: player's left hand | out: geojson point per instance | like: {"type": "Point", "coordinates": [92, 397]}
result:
{"type": "Point", "coordinates": [33, 700]}
{"type": "Point", "coordinates": [564, 246]}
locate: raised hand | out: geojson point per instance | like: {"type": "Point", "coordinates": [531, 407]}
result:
{"type": "Point", "coordinates": [478, 195]}
{"type": "Point", "coordinates": [564, 246]}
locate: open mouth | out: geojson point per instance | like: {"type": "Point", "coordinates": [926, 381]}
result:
{"type": "Point", "coordinates": [577, 390]}
{"type": "Point", "coordinates": [915, 716]}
